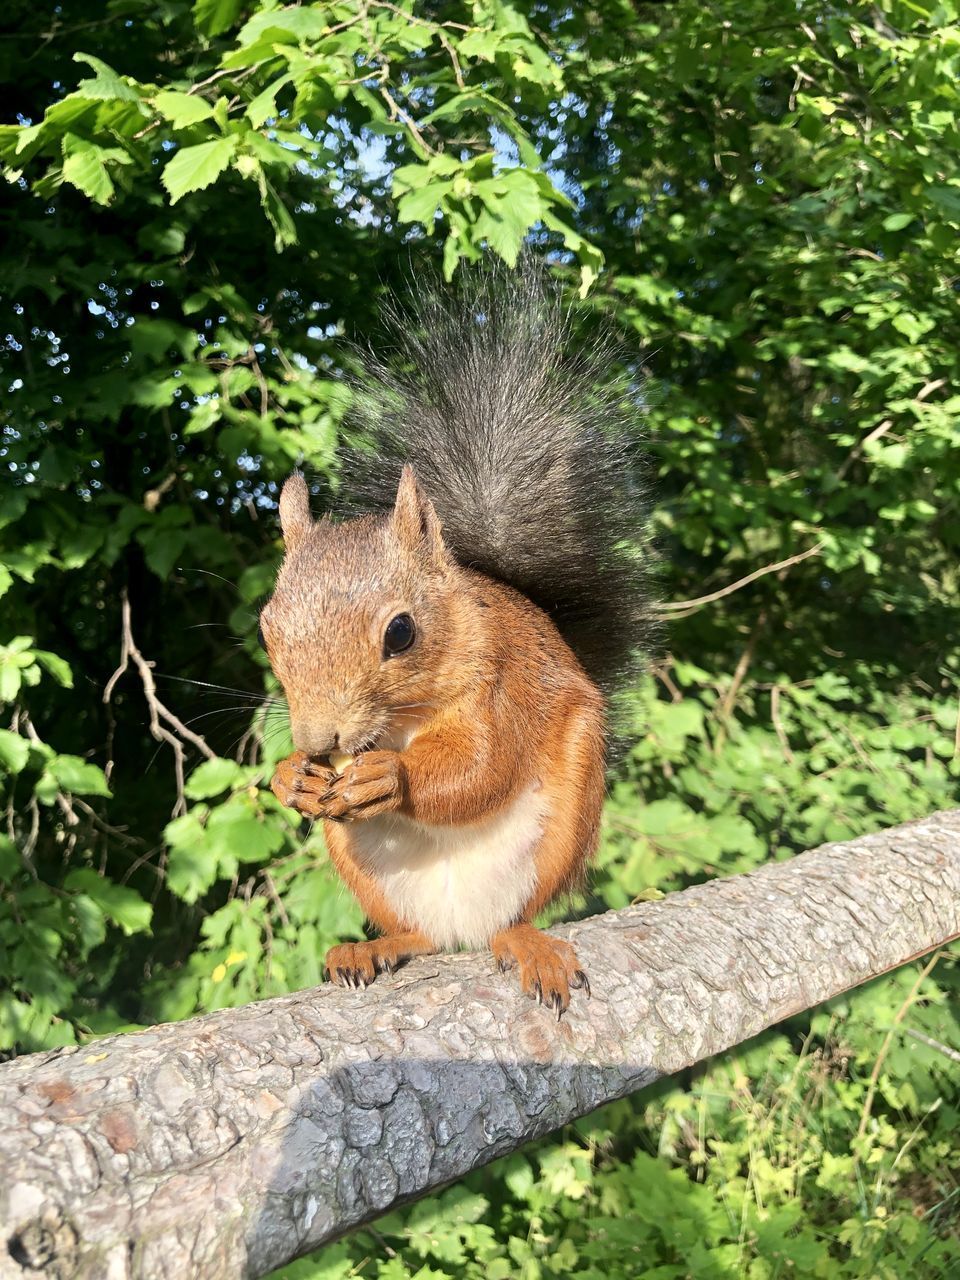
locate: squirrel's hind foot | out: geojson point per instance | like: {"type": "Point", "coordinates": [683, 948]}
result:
{"type": "Point", "coordinates": [547, 967]}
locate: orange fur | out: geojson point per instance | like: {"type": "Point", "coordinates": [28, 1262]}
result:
{"type": "Point", "coordinates": [489, 706]}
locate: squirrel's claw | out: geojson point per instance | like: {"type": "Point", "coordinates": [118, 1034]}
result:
{"type": "Point", "coordinates": [357, 964]}
{"type": "Point", "coordinates": [581, 980]}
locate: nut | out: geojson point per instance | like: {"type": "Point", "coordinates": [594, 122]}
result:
{"type": "Point", "coordinates": [339, 761]}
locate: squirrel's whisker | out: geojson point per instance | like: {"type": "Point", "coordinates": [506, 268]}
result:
{"type": "Point", "coordinates": [217, 711]}
{"type": "Point", "coordinates": [224, 688]}
{"type": "Point", "coordinates": [209, 573]}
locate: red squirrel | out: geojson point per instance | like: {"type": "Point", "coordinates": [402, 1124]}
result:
{"type": "Point", "coordinates": [451, 647]}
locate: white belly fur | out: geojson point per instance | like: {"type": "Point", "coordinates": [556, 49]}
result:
{"type": "Point", "coordinates": [459, 885]}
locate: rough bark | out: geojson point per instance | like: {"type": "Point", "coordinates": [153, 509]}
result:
{"type": "Point", "coordinates": [226, 1145]}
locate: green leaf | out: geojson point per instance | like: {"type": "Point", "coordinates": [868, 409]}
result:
{"type": "Point", "coordinates": [213, 17]}
{"type": "Point", "coordinates": [422, 205]}
{"type": "Point", "coordinates": [107, 84]}
{"type": "Point", "coordinates": [896, 221]}
{"type": "Point", "coordinates": [194, 168]}
{"type": "Point", "coordinates": [182, 109]}
{"type": "Point", "coordinates": [162, 548]}
{"type": "Point", "coordinates": [477, 103]}
{"type": "Point", "coordinates": [278, 215]}
{"type": "Point", "coordinates": [214, 777]}
{"type": "Point", "coordinates": [264, 104]}
{"type": "Point", "coordinates": [90, 921]}
{"type": "Point", "coordinates": [122, 905]}
{"type": "Point", "coordinates": [513, 206]}
{"type": "Point", "coordinates": [55, 666]}
{"type": "Point", "coordinates": [10, 862]}
{"type": "Point", "coordinates": [14, 751]}
{"type": "Point", "coordinates": [298, 23]}
{"type": "Point", "coordinates": [162, 239]}
{"type": "Point", "coordinates": [193, 864]}
{"type": "Point", "coordinates": [239, 834]}
{"type": "Point", "coordinates": [9, 681]}
{"type": "Point", "coordinates": [84, 169]}
{"type": "Point", "coordinates": [78, 776]}
{"type": "Point", "coordinates": [15, 661]}
{"type": "Point", "coordinates": [913, 327]}
{"type": "Point", "coordinates": [947, 199]}
{"type": "Point", "coordinates": [823, 105]}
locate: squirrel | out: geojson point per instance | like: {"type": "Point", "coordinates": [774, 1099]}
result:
{"type": "Point", "coordinates": [447, 655]}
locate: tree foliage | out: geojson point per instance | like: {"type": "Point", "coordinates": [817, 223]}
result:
{"type": "Point", "coordinates": [205, 205]}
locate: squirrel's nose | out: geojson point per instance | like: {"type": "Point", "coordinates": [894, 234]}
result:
{"type": "Point", "coordinates": [314, 738]}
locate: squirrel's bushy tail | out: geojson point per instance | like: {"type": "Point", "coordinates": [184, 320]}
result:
{"type": "Point", "coordinates": [527, 445]}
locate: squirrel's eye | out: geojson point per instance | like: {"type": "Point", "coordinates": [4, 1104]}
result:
{"type": "Point", "coordinates": [399, 635]}
{"type": "Point", "coordinates": [260, 640]}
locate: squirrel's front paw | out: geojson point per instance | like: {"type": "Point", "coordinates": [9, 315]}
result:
{"type": "Point", "coordinates": [371, 785]}
{"type": "Point", "coordinates": [299, 783]}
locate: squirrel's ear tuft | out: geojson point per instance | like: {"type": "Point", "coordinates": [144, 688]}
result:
{"type": "Point", "coordinates": [295, 519]}
{"type": "Point", "coordinates": [415, 521]}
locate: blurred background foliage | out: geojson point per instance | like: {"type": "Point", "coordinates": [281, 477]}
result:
{"type": "Point", "coordinates": [206, 202]}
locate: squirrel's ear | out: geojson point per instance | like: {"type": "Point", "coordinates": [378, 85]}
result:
{"type": "Point", "coordinates": [415, 521]}
{"type": "Point", "coordinates": [295, 519]}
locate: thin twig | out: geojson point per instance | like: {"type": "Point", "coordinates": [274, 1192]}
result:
{"type": "Point", "coordinates": [662, 672]}
{"type": "Point", "coordinates": [454, 60]}
{"type": "Point", "coordinates": [684, 606]}
{"type": "Point", "coordinates": [398, 112]}
{"type": "Point", "coordinates": [277, 900]}
{"type": "Point", "coordinates": [30, 843]}
{"type": "Point", "coordinates": [151, 499]}
{"type": "Point", "coordinates": [148, 128]}
{"type": "Point", "coordinates": [118, 833]}
{"type": "Point", "coordinates": [888, 1040]}
{"type": "Point", "coordinates": [261, 382]}
{"type": "Point", "coordinates": [64, 801]}
{"type": "Point", "coordinates": [882, 428]}
{"type": "Point", "coordinates": [778, 724]}
{"type": "Point", "coordinates": [933, 1044]}
{"type": "Point", "coordinates": [144, 860]}
{"type": "Point", "coordinates": [877, 433]}
{"type": "Point", "coordinates": [423, 22]}
{"type": "Point", "coordinates": [739, 675]}
{"type": "Point", "coordinates": [177, 733]}
{"type": "Point", "coordinates": [217, 75]}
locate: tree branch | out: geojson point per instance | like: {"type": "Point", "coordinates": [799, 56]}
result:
{"type": "Point", "coordinates": [224, 1146]}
